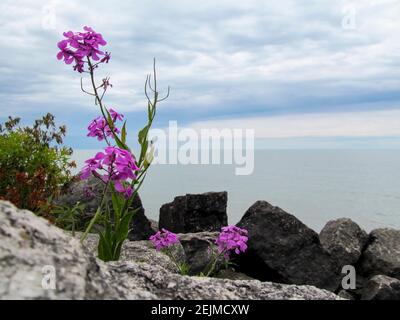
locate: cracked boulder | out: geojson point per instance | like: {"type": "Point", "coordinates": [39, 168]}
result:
{"type": "Point", "coordinates": [382, 255]}
{"type": "Point", "coordinates": [200, 249]}
{"type": "Point", "coordinates": [282, 249]}
{"type": "Point", "coordinates": [382, 288]}
{"type": "Point", "coordinates": [344, 240]}
{"type": "Point", "coordinates": [195, 213]}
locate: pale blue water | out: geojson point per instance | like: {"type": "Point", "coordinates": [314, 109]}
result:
{"type": "Point", "coordinates": [314, 185]}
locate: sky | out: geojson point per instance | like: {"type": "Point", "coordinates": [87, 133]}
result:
{"type": "Point", "coordinates": [302, 74]}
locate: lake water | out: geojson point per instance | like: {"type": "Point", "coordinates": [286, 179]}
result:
{"type": "Point", "coordinates": [315, 186]}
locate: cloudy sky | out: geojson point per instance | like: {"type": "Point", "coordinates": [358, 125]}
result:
{"type": "Point", "coordinates": [301, 73]}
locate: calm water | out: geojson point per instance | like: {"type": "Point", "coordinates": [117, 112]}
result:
{"type": "Point", "coordinates": [315, 186]}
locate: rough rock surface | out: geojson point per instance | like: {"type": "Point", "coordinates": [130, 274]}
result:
{"type": "Point", "coordinates": [344, 240]}
{"type": "Point", "coordinates": [232, 274]}
{"type": "Point", "coordinates": [382, 288]}
{"type": "Point", "coordinates": [346, 295]}
{"type": "Point", "coordinates": [200, 249]}
{"type": "Point", "coordinates": [87, 192]}
{"type": "Point", "coordinates": [28, 243]}
{"type": "Point", "coordinates": [382, 255]}
{"type": "Point", "coordinates": [170, 286]}
{"type": "Point", "coordinates": [141, 252]}
{"type": "Point", "coordinates": [195, 213]}
{"type": "Point", "coordinates": [283, 249]}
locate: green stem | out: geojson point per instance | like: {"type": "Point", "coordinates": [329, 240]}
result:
{"type": "Point", "coordinates": [213, 265]}
{"type": "Point", "coordinates": [142, 158]}
{"type": "Point", "coordinates": [97, 215]}
{"type": "Point", "coordinates": [100, 102]}
{"type": "Point", "coordinates": [172, 257]}
{"type": "Point", "coordinates": [169, 254]}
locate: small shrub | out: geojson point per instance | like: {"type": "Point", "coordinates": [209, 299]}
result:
{"type": "Point", "coordinates": [34, 164]}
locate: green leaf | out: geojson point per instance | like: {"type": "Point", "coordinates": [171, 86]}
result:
{"type": "Point", "coordinates": [123, 133]}
{"type": "Point", "coordinates": [143, 152]}
{"type": "Point", "coordinates": [120, 144]}
{"type": "Point", "coordinates": [104, 248]}
{"type": "Point", "coordinates": [129, 202]}
{"type": "Point", "coordinates": [142, 137]}
{"type": "Point", "coordinates": [116, 202]}
{"type": "Point", "coordinates": [109, 119]}
{"type": "Point", "coordinates": [184, 269]}
{"type": "Point", "coordinates": [117, 251]}
{"type": "Point", "coordinates": [149, 111]}
{"type": "Point", "coordinates": [123, 230]}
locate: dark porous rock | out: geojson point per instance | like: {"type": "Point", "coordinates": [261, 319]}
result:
{"type": "Point", "coordinates": [195, 213]}
{"type": "Point", "coordinates": [199, 249]}
{"type": "Point", "coordinates": [346, 295]}
{"type": "Point", "coordinates": [358, 290]}
{"type": "Point", "coordinates": [140, 227]}
{"type": "Point", "coordinates": [88, 192]}
{"type": "Point", "coordinates": [282, 249]}
{"type": "Point", "coordinates": [344, 240]}
{"type": "Point", "coordinates": [382, 255]}
{"type": "Point", "coordinates": [382, 288]}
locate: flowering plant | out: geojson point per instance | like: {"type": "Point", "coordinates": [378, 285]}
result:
{"type": "Point", "coordinates": [164, 241]}
{"type": "Point", "coordinates": [116, 167]}
{"type": "Point", "coordinates": [231, 240]}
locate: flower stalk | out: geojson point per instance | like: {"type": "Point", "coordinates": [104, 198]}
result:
{"type": "Point", "coordinates": [231, 240]}
{"type": "Point", "coordinates": [116, 167]}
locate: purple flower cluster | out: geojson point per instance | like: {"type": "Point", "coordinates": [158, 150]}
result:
{"type": "Point", "coordinates": [232, 239]}
{"type": "Point", "coordinates": [114, 164]}
{"type": "Point", "coordinates": [99, 127]}
{"type": "Point", "coordinates": [80, 45]}
{"type": "Point", "coordinates": [164, 239]}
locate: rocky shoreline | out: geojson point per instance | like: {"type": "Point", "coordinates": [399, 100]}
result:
{"type": "Point", "coordinates": [285, 259]}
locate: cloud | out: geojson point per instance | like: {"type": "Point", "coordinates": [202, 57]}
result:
{"type": "Point", "coordinates": [225, 60]}
{"type": "Point", "coordinates": [343, 124]}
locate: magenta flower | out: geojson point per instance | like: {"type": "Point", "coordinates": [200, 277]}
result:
{"type": "Point", "coordinates": [92, 166]}
{"type": "Point", "coordinates": [164, 239]}
{"type": "Point", "coordinates": [107, 57]}
{"type": "Point", "coordinates": [113, 165]}
{"type": "Point", "coordinates": [232, 239]}
{"type": "Point", "coordinates": [126, 191]}
{"type": "Point", "coordinates": [80, 45]}
{"type": "Point", "coordinates": [100, 129]}
{"type": "Point", "coordinates": [65, 53]}
{"type": "Point", "coordinates": [116, 116]}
